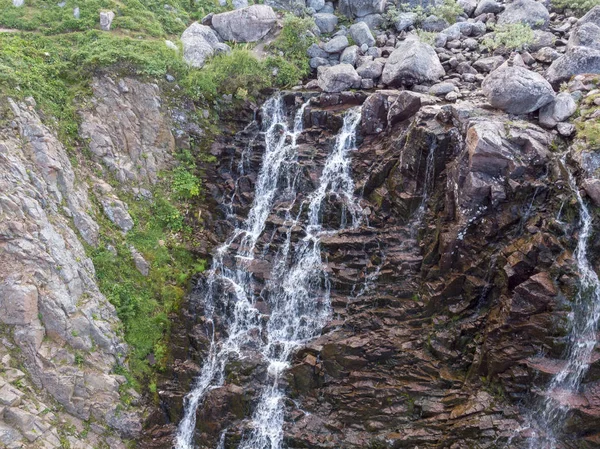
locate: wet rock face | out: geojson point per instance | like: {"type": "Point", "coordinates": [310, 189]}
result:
{"type": "Point", "coordinates": [442, 305]}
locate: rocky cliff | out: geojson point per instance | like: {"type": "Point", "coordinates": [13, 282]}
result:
{"type": "Point", "coordinates": [62, 342]}
{"type": "Point", "coordinates": [450, 303]}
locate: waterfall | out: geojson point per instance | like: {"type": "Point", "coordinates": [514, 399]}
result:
{"type": "Point", "coordinates": [297, 290]}
{"type": "Point", "coordinates": [582, 339]}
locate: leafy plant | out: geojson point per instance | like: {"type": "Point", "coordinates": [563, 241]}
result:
{"type": "Point", "coordinates": [185, 184]}
{"type": "Point", "coordinates": [513, 36]}
{"type": "Point", "coordinates": [291, 44]}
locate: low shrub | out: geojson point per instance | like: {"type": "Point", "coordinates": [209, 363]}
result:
{"type": "Point", "coordinates": [513, 36]}
{"type": "Point", "coordinates": [579, 7]}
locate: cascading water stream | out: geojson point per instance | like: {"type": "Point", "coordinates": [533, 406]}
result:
{"type": "Point", "coordinates": [231, 288]}
{"type": "Point", "coordinates": [584, 319]}
{"type": "Point", "coordinates": [297, 292]}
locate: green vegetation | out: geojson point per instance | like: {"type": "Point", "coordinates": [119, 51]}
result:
{"type": "Point", "coordinates": [449, 11]}
{"type": "Point", "coordinates": [427, 37]}
{"type": "Point", "coordinates": [580, 7]}
{"type": "Point", "coordinates": [290, 47]}
{"type": "Point", "coordinates": [132, 16]}
{"type": "Point", "coordinates": [588, 128]}
{"type": "Point", "coordinates": [514, 36]}
{"type": "Point", "coordinates": [143, 303]}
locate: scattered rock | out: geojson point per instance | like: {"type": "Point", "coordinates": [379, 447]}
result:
{"type": "Point", "coordinates": [586, 35]}
{"type": "Point", "coordinates": [517, 90]}
{"type": "Point", "coordinates": [361, 34]}
{"type": "Point", "coordinates": [314, 51]}
{"type": "Point", "coordinates": [434, 24]}
{"type": "Point", "coordinates": [468, 6]}
{"type": "Point", "coordinates": [405, 20]}
{"type": "Point", "coordinates": [317, 5]}
{"type": "Point", "coordinates": [558, 110]}
{"type": "Point", "coordinates": [488, 7]}
{"type": "Point", "coordinates": [326, 22]}
{"type": "Point", "coordinates": [106, 19]}
{"type": "Point", "coordinates": [338, 78]}
{"type": "Point", "coordinates": [565, 129]}
{"type": "Point", "coordinates": [592, 189]}
{"type": "Point", "coordinates": [245, 25]}
{"type": "Point", "coordinates": [140, 263]}
{"type": "Point", "coordinates": [18, 3]}
{"type": "Point", "coordinates": [370, 70]}
{"type": "Point", "coordinates": [336, 45]}
{"type": "Point", "coordinates": [350, 55]}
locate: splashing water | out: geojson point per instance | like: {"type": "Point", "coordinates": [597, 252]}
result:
{"type": "Point", "coordinates": [584, 319]}
{"type": "Point", "coordinates": [297, 291]}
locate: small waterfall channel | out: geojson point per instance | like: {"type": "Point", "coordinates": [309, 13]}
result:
{"type": "Point", "coordinates": [297, 290]}
{"type": "Point", "coordinates": [550, 414]}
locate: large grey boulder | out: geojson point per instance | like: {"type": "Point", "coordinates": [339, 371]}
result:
{"type": "Point", "coordinates": [530, 12]}
{"type": "Point", "coordinates": [326, 22]}
{"type": "Point", "coordinates": [586, 35]}
{"type": "Point", "coordinates": [575, 61]}
{"type": "Point", "coordinates": [592, 16]}
{"type": "Point", "coordinates": [559, 110]}
{"type": "Point", "coordinates": [517, 90]}
{"type": "Point", "coordinates": [314, 51]}
{"type": "Point", "coordinates": [361, 8]}
{"type": "Point", "coordinates": [338, 78]}
{"type": "Point", "coordinates": [361, 34]}
{"type": "Point", "coordinates": [199, 43]}
{"type": "Point", "coordinates": [413, 62]}
{"type": "Point", "coordinates": [245, 25]}
{"type": "Point", "coordinates": [336, 45]}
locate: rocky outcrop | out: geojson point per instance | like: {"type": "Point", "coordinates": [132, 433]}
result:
{"type": "Point", "coordinates": [57, 325]}
{"type": "Point", "coordinates": [127, 130]}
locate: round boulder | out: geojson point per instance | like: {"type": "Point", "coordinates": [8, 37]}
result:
{"type": "Point", "coordinates": [530, 12]}
{"type": "Point", "coordinates": [245, 25]}
{"type": "Point", "coordinates": [517, 90]}
{"type": "Point", "coordinates": [413, 62]}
